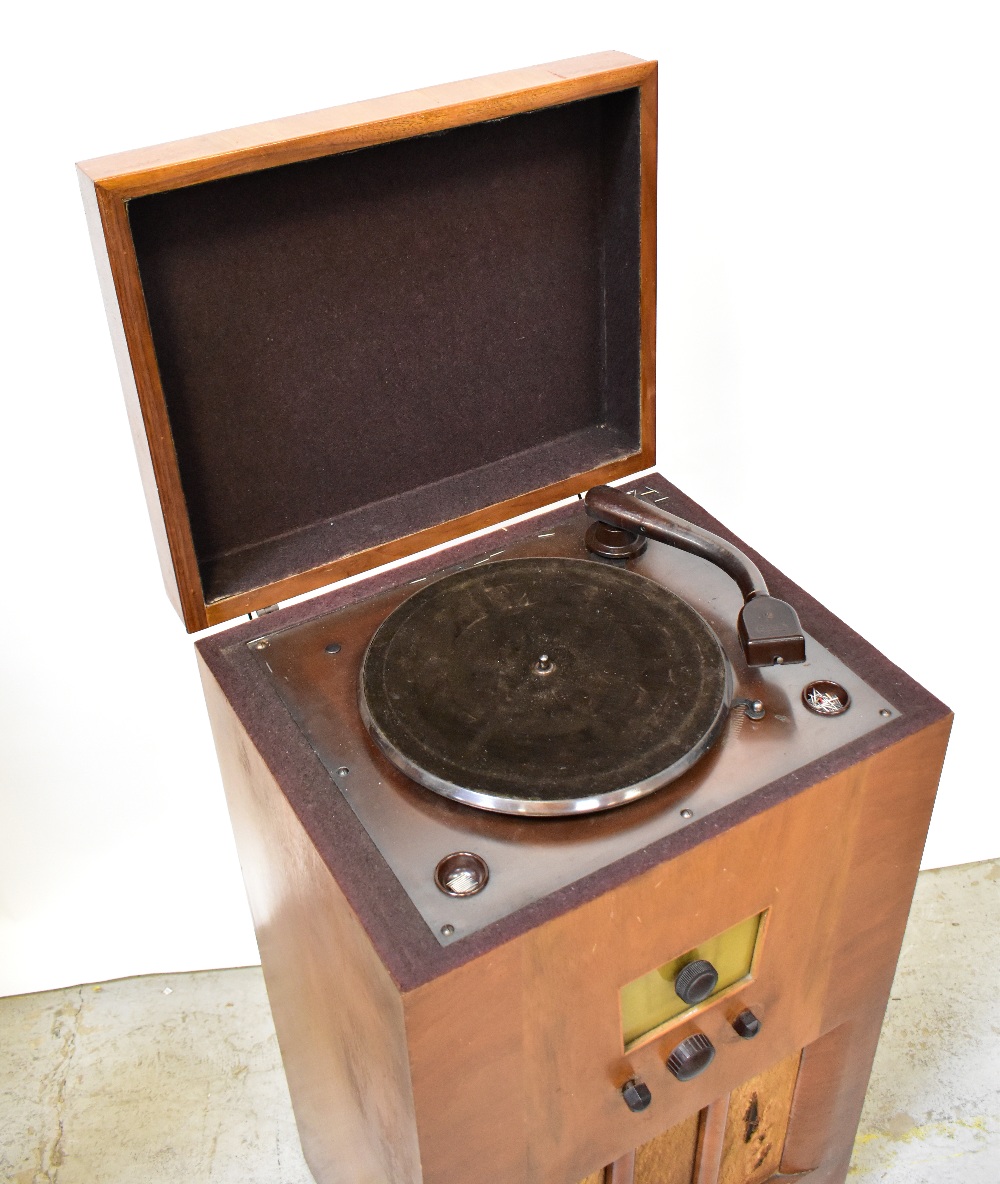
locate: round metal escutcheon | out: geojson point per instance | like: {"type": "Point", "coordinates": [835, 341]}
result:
{"type": "Point", "coordinates": [463, 873]}
{"type": "Point", "coordinates": [825, 697]}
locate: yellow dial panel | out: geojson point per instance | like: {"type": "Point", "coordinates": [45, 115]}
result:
{"type": "Point", "coordinates": [650, 1002]}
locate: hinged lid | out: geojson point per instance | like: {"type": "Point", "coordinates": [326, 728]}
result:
{"type": "Point", "coordinates": [350, 335]}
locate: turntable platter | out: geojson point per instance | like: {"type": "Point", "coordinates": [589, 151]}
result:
{"type": "Point", "coordinates": [544, 686]}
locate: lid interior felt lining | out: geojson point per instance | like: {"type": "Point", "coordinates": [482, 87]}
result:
{"type": "Point", "coordinates": [359, 346]}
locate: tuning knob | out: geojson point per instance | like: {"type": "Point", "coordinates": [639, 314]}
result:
{"type": "Point", "coordinates": [696, 981]}
{"type": "Point", "coordinates": [746, 1024]}
{"type": "Point", "coordinates": [691, 1057]}
{"type": "Point", "coordinates": [636, 1094]}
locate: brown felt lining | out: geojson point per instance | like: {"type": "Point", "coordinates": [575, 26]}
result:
{"type": "Point", "coordinates": [404, 942]}
{"type": "Point", "coordinates": [453, 318]}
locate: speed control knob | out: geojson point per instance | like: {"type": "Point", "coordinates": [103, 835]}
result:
{"type": "Point", "coordinates": [696, 981]}
{"type": "Point", "coordinates": [691, 1057]}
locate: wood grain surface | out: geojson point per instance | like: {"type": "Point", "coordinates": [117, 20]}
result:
{"type": "Point", "coordinates": [352, 126]}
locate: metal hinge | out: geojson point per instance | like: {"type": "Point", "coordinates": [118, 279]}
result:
{"type": "Point", "coordinates": [263, 612]}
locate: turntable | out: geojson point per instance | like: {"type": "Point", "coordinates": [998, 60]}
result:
{"type": "Point", "coordinates": [580, 851]}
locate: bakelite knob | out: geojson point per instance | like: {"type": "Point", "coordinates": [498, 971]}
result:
{"type": "Point", "coordinates": [696, 981]}
{"type": "Point", "coordinates": [691, 1057]}
{"type": "Point", "coordinates": [746, 1024]}
{"type": "Point", "coordinates": [636, 1094]}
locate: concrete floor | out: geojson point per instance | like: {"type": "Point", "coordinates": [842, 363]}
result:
{"type": "Point", "coordinates": [175, 1079]}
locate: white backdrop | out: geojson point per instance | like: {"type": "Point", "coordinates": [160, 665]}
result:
{"type": "Point", "coordinates": [829, 261]}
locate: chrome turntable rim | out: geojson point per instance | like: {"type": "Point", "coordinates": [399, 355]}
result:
{"type": "Point", "coordinates": [459, 691]}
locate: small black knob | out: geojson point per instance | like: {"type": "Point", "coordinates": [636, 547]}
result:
{"type": "Point", "coordinates": [746, 1024]}
{"type": "Point", "coordinates": [636, 1094]}
{"type": "Point", "coordinates": [691, 1057]}
{"type": "Point", "coordinates": [696, 981]}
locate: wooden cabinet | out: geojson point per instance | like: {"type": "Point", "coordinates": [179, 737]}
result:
{"type": "Point", "coordinates": [267, 399]}
{"type": "Point", "coordinates": [408, 1062]}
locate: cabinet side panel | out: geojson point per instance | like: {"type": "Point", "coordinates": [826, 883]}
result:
{"type": "Point", "coordinates": [893, 815]}
{"type": "Point", "coordinates": [337, 1012]}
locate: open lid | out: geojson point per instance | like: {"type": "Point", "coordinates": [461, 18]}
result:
{"type": "Point", "coordinates": [350, 335]}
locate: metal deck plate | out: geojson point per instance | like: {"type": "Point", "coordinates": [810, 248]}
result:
{"type": "Point", "coordinates": [528, 858]}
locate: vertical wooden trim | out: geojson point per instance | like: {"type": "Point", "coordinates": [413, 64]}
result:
{"type": "Point", "coordinates": [648, 116]}
{"type": "Point", "coordinates": [125, 305]}
{"type": "Point", "coordinates": [126, 336]}
{"type": "Point", "coordinates": [622, 1171]}
{"type": "Point", "coordinates": [152, 406]}
{"type": "Point", "coordinates": [711, 1141]}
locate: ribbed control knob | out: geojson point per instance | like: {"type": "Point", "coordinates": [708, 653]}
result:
{"type": "Point", "coordinates": [691, 1057]}
{"type": "Point", "coordinates": [636, 1094]}
{"type": "Point", "coordinates": [696, 981]}
{"type": "Point", "coordinates": [746, 1024]}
